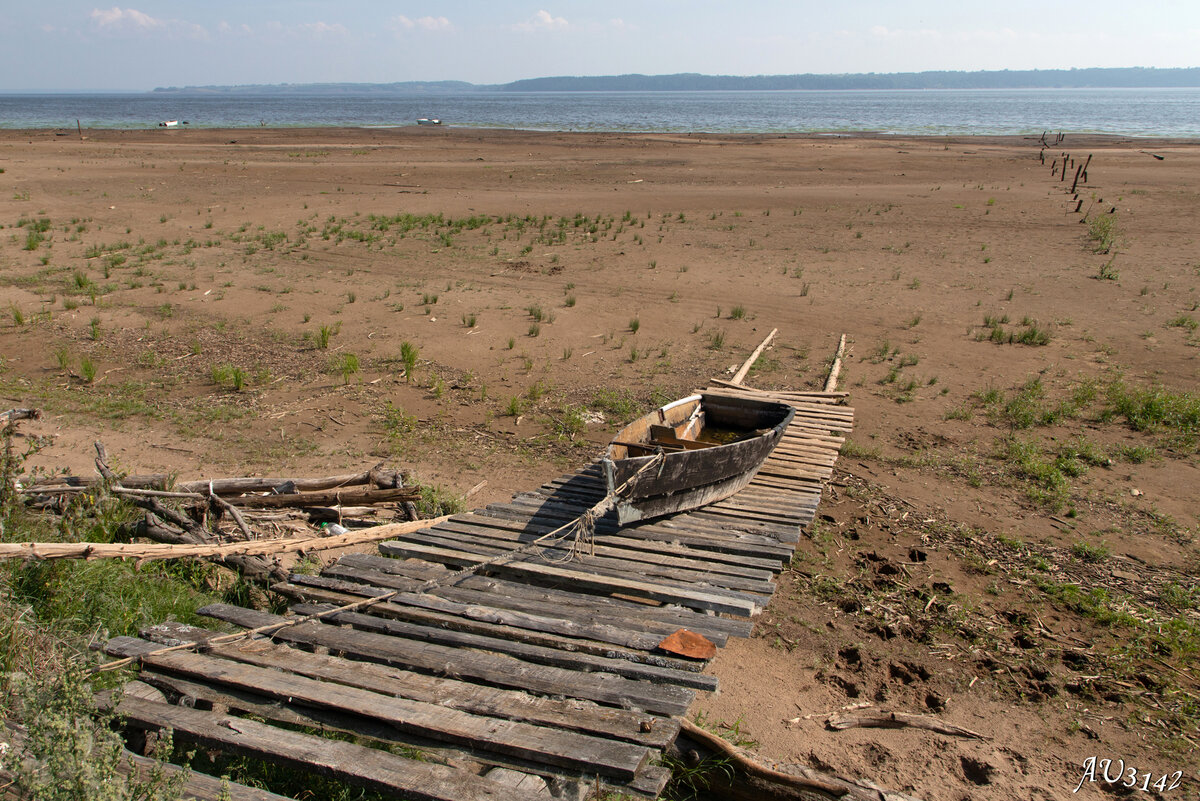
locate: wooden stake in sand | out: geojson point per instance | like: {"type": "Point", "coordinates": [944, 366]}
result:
{"type": "Point", "coordinates": [740, 375]}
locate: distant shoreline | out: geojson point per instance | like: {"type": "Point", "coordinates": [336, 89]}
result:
{"type": "Point", "coordinates": [350, 135]}
{"type": "Point", "coordinates": [1087, 78]}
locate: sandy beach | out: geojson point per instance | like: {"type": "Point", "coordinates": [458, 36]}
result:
{"type": "Point", "coordinates": [1005, 542]}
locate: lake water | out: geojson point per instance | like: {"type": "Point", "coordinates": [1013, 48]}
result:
{"type": "Point", "coordinates": [1131, 112]}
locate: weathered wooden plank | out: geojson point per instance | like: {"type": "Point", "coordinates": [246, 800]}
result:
{"type": "Point", "coordinates": [718, 524]}
{"type": "Point", "coordinates": [802, 462]}
{"type": "Point", "coordinates": [364, 767]}
{"type": "Point", "coordinates": [734, 565]}
{"type": "Point", "coordinates": [720, 539]}
{"type": "Point", "coordinates": [328, 722]}
{"type": "Point", "coordinates": [481, 618]}
{"type": "Point", "coordinates": [478, 699]}
{"type": "Point", "coordinates": [809, 486]}
{"type": "Point", "coordinates": [793, 494]}
{"type": "Point", "coordinates": [786, 511]}
{"type": "Point", "coordinates": [773, 500]}
{"type": "Point", "coordinates": [561, 600]}
{"type": "Point", "coordinates": [590, 489]}
{"type": "Point", "coordinates": [752, 511]}
{"type": "Point", "coordinates": [570, 750]}
{"type": "Point", "coordinates": [495, 669]}
{"type": "Point", "coordinates": [537, 654]}
{"type": "Point", "coordinates": [802, 447]}
{"type": "Point", "coordinates": [582, 580]}
{"type": "Point", "coordinates": [247, 704]}
{"type": "Point", "coordinates": [428, 609]}
{"type": "Point", "coordinates": [602, 562]}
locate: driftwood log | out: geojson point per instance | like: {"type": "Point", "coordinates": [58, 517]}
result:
{"type": "Point", "coordinates": [190, 532]}
{"type": "Point", "coordinates": [332, 497]}
{"type": "Point", "coordinates": [750, 780]}
{"type": "Point", "coordinates": [13, 415]}
{"type": "Point", "coordinates": [898, 720]}
{"type": "Point", "coordinates": [51, 484]}
{"type": "Point", "coordinates": [376, 476]}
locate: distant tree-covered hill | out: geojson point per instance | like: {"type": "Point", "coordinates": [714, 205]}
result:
{"type": "Point", "coordinates": [1092, 77]}
{"type": "Point", "coordinates": [401, 87]}
{"type": "Point", "coordinates": [990, 79]}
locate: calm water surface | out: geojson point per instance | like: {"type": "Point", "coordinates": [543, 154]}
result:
{"type": "Point", "coordinates": [1131, 112]}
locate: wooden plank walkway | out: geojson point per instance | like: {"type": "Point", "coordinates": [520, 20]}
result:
{"type": "Point", "coordinates": [547, 663]}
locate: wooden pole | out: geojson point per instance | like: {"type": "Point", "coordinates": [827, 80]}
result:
{"type": "Point", "coordinates": [1075, 183]}
{"type": "Point", "coordinates": [745, 368]}
{"type": "Point", "coordinates": [155, 551]}
{"type": "Point", "coordinates": [836, 367]}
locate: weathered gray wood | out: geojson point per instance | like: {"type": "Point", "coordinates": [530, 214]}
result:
{"type": "Point", "coordinates": [478, 699]}
{"type": "Point", "coordinates": [552, 601]}
{"type": "Point", "coordinates": [770, 529]}
{"type": "Point", "coordinates": [349, 496]}
{"type": "Point", "coordinates": [757, 509]}
{"type": "Point", "coordinates": [754, 549]}
{"type": "Point", "coordinates": [717, 538]}
{"type": "Point", "coordinates": [466, 538]}
{"type": "Point", "coordinates": [728, 563]}
{"type": "Point", "coordinates": [537, 654]}
{"type": "Point", "coordinates": [570, 750]}
{"type": "Point", "coordinates": [358, 765]}
{"type": "Point", "coordinates": [429, 609]}
{"type": "Point", "coordinates": [495, 669]}
{"type": "Point", "coordinates": [582, 580]}
{"type": "Point", "coordinates": [220, 698]}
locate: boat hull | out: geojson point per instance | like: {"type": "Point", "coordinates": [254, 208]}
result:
{"type": "Point", "coordinates": [689, 479]}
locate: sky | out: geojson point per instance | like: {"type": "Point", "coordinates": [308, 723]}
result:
{"type": "Point", "coordinates": [64, 45]}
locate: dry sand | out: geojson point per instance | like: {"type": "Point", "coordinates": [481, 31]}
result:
{"type": "Point", "coordinates": [171, 253]}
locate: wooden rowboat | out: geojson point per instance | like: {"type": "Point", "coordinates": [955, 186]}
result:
{"type": "Point", "coordinates": [707, 448]}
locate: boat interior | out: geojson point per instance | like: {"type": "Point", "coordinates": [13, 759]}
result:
{"type": "Point", "coordinates": [693, 423]}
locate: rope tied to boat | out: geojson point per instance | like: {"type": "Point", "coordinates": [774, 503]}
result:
{"type": "Point", "coordinates": [582, 529]}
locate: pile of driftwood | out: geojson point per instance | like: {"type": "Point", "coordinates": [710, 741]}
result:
{"type": "Point", "coordinates": [239, 522]}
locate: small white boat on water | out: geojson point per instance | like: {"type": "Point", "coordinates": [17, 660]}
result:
{"type": "Point", "coordinates": [171, 123]}
{"type": "Point", "coordinates": [429, 121]}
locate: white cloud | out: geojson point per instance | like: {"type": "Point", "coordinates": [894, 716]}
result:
{"type": "Point", "coordinates": [125, 19]}
{"type": "Point", "coordinates": [131, 21]}
{"type": "Point", "coordinates": [424, 23]}
{"type": "Point", "coordinates": [321, 29]}
{"type": "Point", "coordinates": [542, 21]}
{"type": "Point", "coordinates": [225, 28]}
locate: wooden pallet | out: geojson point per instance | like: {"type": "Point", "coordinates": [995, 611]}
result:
{"type": "Point", "coordinates": [546, 663]}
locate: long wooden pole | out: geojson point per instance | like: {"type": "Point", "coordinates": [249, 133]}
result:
{"type": "Point", "coordinates": [836, 367]}
{"type": "Point", "coordinates": [745, 368]}
{"type": "Point", "coordinates": [156, 551]}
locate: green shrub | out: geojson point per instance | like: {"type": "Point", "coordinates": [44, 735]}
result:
{"type": "Point", "coordinates": [408, 357]}
{"type": "Point", "coordinates": [1148, 408]}
{"type": "Point", "coordinates": [1102, 233]}
{"type": "Point", "coordinates": [347, 365]}
{"type": "Point", "coordinates": [72, 750]}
